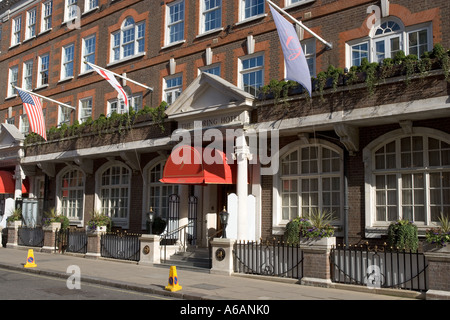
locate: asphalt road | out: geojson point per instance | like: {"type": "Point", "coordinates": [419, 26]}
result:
{"type": "Point", "coordinates": [16, 285]}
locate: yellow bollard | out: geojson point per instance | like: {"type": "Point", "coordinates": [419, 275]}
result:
{"type": "Point", "coordinates": [30, 260]}
{"type": "Point", "coordinates": [173, 280]}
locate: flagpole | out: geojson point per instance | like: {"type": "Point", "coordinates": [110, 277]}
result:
{"type": "Point", "coordinates": [328, 44]}
{"type": "Point", "coordinates": [118, 75]}
{"type": "Point", "coordinates": [45, 98]}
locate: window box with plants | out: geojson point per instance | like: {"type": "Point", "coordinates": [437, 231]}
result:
{"type": "Point", "coordinates": [314, 229]}
{"type": "Point", "coordinates": [14, 221]}
{"type": "Point", "coordinates": [438, 239]}
{"type": "Point", "coordinates": [99, 223]}
{"type": "Point", "coordinates": [53, 221]}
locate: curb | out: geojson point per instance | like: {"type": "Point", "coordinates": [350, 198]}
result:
{"type": "Point", "coordinates": [115, 284]}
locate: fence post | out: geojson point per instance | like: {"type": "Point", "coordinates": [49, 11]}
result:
{"type": "Point", "coordinates": [222, 256]}
{"type": "Point", "coordinates": [151, 251]}
{"type": "Point", "coordinates": [94, 242]}
{"type": "Point", "coordinates": [438, 273]}
{"type": "Point", "coordinates": [316, 261]}
{"type": "Point", "coordinates": [50, 237]}
{"type": "Point", "coordinates": [13, 234]}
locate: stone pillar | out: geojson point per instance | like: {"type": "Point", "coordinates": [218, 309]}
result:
{"type": "Point", "coordinates": [94, 243]}
{"type": "Point", "coordinates": [150, 249]}
{"type": "Point", "coordinates": [50, 237]}
{"type": "Point", "coordinates": [222, 256]}
{"type": "Point", "coordinates": [316, 261]}
{"type": "Point", "coordinates": [13, 234]}
{"type": "Point", "coordinates": [242, 156]}
{"type": "Point", "coordinates": [438, 273]}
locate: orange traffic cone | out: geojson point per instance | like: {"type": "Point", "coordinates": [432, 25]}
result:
{"type": "Point", "coordinates": [173, 280]}
{"type": "Point", "coordinates": [30, 260]}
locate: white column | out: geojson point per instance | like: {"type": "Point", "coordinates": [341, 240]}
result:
{"type": "Point", "coordinates": [242, 156]}
{"type": "Point", "coordinates": [19, 175]}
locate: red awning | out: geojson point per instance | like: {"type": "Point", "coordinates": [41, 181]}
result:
{"type": "Point", "coordinates": [194, 169]}
{"type": "Point", "coordinates": [8, 184]}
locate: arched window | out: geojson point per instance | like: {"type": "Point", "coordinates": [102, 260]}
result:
{"type": "Point", "coordinates": [129, 41]}
{"type": "Point", "coordinates": [114, 192]}
{"type": "Point", "coordinates": [408, 177]}
{"type": "Point", "coordinates": [387, 38]}
{"type": "Point", "coordinates": [310, 179]}
{"type": "Point", "coordinates": [71, 194]}
{"type": "Point", "coordinates": [158, 192]}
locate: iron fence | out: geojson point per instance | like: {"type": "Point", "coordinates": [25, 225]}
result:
{"type": "Point", "coordinates": [271, 258]}
{"type": "Point", "coordinates": [122, 246]}
{"type": "Point", "coordinates": [71, 240]}
{"type": "Point", "coordinates": [31, 237]}
{"type": "Point", "coordinates": [379, 266]}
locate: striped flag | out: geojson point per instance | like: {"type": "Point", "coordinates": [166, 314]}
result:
{"type": "Point", "coordinates": [33, 109]}
{"type": "Point", "coordinates": [296, 65]}
{"type": "Point", "coordinates": [109, 76]}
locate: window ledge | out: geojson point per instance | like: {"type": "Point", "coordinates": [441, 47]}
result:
{"type": "Point", "coordinates": [11, 97]}
{"type": "Point", "coordinates": [41, 87]}
{"type": "Point", "coordinates": [90, 10]}
{"type": "Point", "coordinates": [298, 4]}
{"type": "Point", "coordinates": [251, 19]}
{"type": "Point", "coordinates": [173, 44]}
{"type": "Point", "coordinates": [29, 39]}
{"type": "Point", "coordinates": [207, 33]}
{"type": "Point", "coordinates": [85, 73]}
{"type": "Point", "coordinates": [15, 45]}
{"type": "Point", "coordinates": [126, 59]}
{"type": "Point", "coordinates": [44, 32]}
{"type": "Point", "coordinates": [65, 79]}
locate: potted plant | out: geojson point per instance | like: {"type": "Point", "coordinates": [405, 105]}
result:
{"type": "Point", "coordinates": [438, 238]}
{"type": "Point", "coordinates": [15, 219]}
{"type": "Point", "coordinates": [294, 228]}
{"type": "Point", "coordinates": [53, 220]}
{"type": "Point", "coordinates": [99, 222]}
{"type": "Point", "coordinates": [320, 232]}
{"type": "Point", "coordinates": [403, 235]}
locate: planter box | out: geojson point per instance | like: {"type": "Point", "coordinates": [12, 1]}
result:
{"type": "Point", "coordinates": [99, 229]}
{"type": "Point", "coordinates": [52, 227]}
{"type": "Point", "coordinates": [14, 224]}
{"type": "Point", "coordinates": [319, 243]}
{"type": "Point", "coordinates": [434, 247]}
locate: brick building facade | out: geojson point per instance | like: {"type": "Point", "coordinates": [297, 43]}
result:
{"type": "Point", "coordinates": [345, 144]}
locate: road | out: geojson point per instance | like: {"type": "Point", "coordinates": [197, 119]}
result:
{"type": "Point", "coordinates": [16, 285]}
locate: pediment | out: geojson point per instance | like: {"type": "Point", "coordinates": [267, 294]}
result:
{"type": "Point", "coordinates": [209, 93]}
{"type": "Point", "coordinates": [10, 136]}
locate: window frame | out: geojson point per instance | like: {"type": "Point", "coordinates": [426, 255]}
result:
{"type": "Point", "coordinates": [118, 221]}
{"type": "Point", "coordinates": [204, 12]}
{"type": "Point", "coordinates": [243, 9]}
{"type": "Point", "coordinates": [13, 73]}
{"type": "Point", "coordinates": [27, 75]}
{"type": "Point", "coordinates": [279, 222]}
{"type": "Point", "coordinates": [242, 72]}
{"type": "Point", "coordinates": [82, 109]}
{"type": "Point", "coordinates": [31, 24]}
{"type": "Point", "coordinates": [371, 39]}
{"type": "Point", "coordinates": [46, 16]}
{"type": "Point", "coordinates": [375, 226]}
{"type": "Point", "coordinates": [84, 66]}
{"type": "Point", "coordinates": [16, 31]}
{"type": "Point", "coordinates": [176, 89]}
{"type": "Point", "coordinates": [169, 24]}
{"type": "Point", "coordinates": [42, 71]}
{"type": "Point", "coordinates": [79, 218]}
{"type": "Point", "coordinates": [138, 41]}
{"type": "Point", "coordinates": [65, 62]}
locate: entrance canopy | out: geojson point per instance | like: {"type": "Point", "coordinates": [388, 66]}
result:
{"type": "Point", "coordinates": [8, 184]}
{"type": "Point", "coordinates": [186, 165]}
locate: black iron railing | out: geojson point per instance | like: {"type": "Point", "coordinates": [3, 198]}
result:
{"type": "Point", "coordinates": [379, 266]}
{"type": "Point", "coordinates": [31, 237]}
{"type": "Point", "coordinates": [271, 258]}
{"type": "Point", "coordinates": [71, 240]}
{"type": "Point", "coordinates": [124, 246]}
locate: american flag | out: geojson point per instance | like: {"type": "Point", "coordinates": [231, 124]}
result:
{"type": "Point", "coordinates": [33, 109]}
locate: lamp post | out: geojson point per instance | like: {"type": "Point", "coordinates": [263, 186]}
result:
{"type": "Point", "coordinates": [224, 221]}
{"type": "Point", "coordinates": [150, 218]}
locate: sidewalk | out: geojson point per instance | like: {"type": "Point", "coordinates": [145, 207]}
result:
{"type": "Point", "coordinates": [195, 285]}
